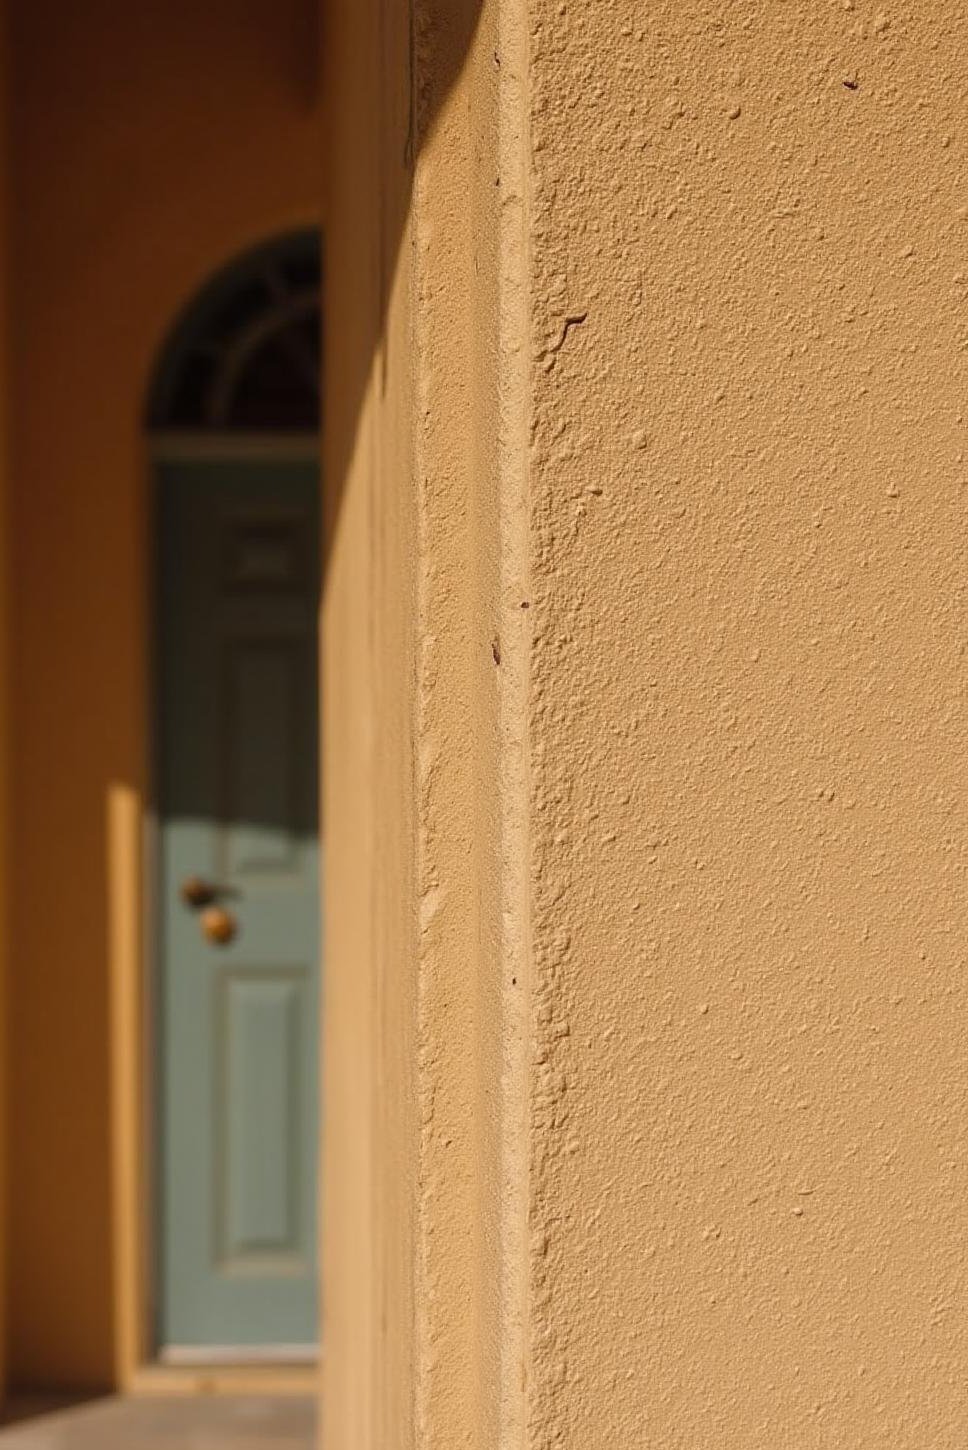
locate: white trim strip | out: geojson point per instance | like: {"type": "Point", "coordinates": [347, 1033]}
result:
{"type": "Point", "coordinates": [198, 1355]}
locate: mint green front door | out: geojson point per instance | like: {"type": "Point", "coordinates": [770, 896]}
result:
{"type": "Point", "coordinates": [238, 907]}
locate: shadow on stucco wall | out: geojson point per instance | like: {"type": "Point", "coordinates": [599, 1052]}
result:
{"type": "Point", "coordinates": [389, 68]}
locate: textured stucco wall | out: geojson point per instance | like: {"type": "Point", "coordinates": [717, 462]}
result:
{"type": "Point", "coordinates": [748, 724]}
{"type": "Point", "coordinates": [409, 692]}
{"type": "Point", "coordinates": [674, 980]}
{"type": "Point", "coordinates": [422, 481]}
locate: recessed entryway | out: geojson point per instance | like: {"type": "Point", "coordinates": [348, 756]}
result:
{"type": "Point", "coordinates": [128, 204]}
{"type": "Point", "coordinates": [234, 929]}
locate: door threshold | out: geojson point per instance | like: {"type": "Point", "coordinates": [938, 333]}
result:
{"type": "Point", "coordinates": [254, 1378]}
{"type": "Point", "coordinates": [210, 1356]}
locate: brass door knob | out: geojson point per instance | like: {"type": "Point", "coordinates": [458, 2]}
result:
{"type": "Point", "coordinates": [218, 925]}
{"type": "Point", "coordinates": [195, 891]}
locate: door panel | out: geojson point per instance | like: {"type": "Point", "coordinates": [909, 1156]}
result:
{"type": "Point", "coordinates": [261, 1157]}
{"type": "Point", "coordinates": [260, 730]}
{"type": "Point", "coordinates": [237, 1022]}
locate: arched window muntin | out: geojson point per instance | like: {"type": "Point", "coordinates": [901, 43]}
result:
{"type": "Point", "coordinates": [245, 355]}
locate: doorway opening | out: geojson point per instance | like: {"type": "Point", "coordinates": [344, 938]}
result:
{"type": "Point", "coordinates": [234, 927]}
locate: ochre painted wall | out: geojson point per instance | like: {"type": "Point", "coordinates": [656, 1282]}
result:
{"type": "Point", "coordinates": [733, 260]}
{"type": "Point", "coordinates": [150, 143]}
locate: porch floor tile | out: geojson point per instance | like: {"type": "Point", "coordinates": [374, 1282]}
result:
{"type": "Point", "coordinates": [169, 1423]}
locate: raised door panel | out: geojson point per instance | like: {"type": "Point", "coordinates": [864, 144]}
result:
{"type": "Point", "coordinates": [260, 724]}
{"type": "Point", "coordinates": [261, 1160]}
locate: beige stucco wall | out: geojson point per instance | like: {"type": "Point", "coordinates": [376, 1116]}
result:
{"type": "Point", "coordinates": [748, 725]}
{"type": "Point", "coordinates": [697, 814]}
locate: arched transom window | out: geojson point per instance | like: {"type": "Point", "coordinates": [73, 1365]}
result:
{"type": "Point", "coordinates": [246, 358]}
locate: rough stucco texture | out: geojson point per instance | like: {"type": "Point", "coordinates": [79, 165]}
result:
{"type": "Point", "coordinates": [750, 817]}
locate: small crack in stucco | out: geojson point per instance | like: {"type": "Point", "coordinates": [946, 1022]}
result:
{"type": "Point", "coordinates": [575, 319]}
